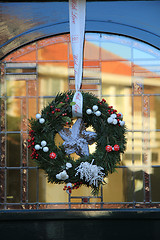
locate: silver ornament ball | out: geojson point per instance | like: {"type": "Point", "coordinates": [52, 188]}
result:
{"type": "Point", "coordinates": [98, 113]}
{"type": "Point", "coordinates": [115, 121]}
{"type": "Point", "coordinates": [43, 143]}
{"type": "Point", "coordinates": [38, 116]}
{"type": "Point", "coordinates": [113, 115]}
{"type": "Point", "coordinates": [95, 108]}
{"type": "Point", "coordinates": [110, 120]}
{"type": "Point", "coordinates": [89, 111]}
{"type": "Point", "coordinates": [37, 147]}
{"type": "Point", "coordinates": [41, 120]}
{"type": "Point", "coordinates": [45, 149]}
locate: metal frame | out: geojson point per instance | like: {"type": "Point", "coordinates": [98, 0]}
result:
{"type": "Point", "coordinates": [146, 130]}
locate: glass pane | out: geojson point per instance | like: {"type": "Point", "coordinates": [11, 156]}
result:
{"type": "Point", "coordinates": [13, 150]}
{"type": "Point", "coordinates": [133, 184]}
{"type": "Point", "coordinates": [26, 53]}
{"type": "Point", "coordinates": [58, 51]}
{"type": "Point", "coordinates": [53, 77]}
{"type": "Point", "coordinates": [114, 51]}
{"type": "Point", "coordinates": [130, 87]}
{"type": "Point", "coordinates": [13, 116]}
{"type": "Point", "coordinates": [155, 147]}
{"type": "Point", "coordinates": [154, 112]}
{"type": "Point", "coordinates": [32, 87]}
{"type": "Point", "coordinates": [91, 50]}
{"type": "Point", "coordinates": [113, 190]}
{"type": "Point", "coordinates": [13, 186]}
{"type": "Point", "coordinates": [155, 182]}
{"type": "Point", "coordinates": [32, 185]}
{"type": "Point", "coordinates": [137, 110]}
{"type": "Point", "coordinates": [15, 88]}
{"type": "Point", "coordinates": [42, 186]}
{"type": "Point", "coordinates": [32, 107]}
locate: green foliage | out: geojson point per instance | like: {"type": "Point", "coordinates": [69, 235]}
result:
{"type": "Point", "coordinates": [58, 114]}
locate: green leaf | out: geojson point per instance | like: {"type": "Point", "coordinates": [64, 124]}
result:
{"type": "Point", "coordinates": [60, 105]}
{"type": "Point", "coordinates": [66, 119]}
{"type": "Point", "coordinates": [57, 114]}
{"type": "Point", "coordinates": [72, 103]}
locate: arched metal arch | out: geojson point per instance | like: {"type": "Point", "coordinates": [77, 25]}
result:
{"type": "Point", "coordinates": [25, 22]}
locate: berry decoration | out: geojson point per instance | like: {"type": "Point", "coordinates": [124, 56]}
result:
{"type": "Point", "coordinates": [90, 168]}
{"type": "Point", "coordinates": [52, 155]}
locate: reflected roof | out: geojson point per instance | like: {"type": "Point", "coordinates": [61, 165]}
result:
{"type": "Point", "coordinates": [25, 22]}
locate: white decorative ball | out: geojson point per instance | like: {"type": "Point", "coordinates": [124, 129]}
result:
{"type": "Point", "coordinates": [38, 115]}
{"type": "Point", "coordinates": [115, 121]}
{"type": "Point", "coordinates": [37, 147]}
{"type": "Point", "coordinates": [95, 108]}
{"type": "Point", "coordinates": [66, 177]}
{"type": "Point", "coordinates": [122, 123]}
{"type": "Point", "coordinates": [45, 149]}
{"type": "Point", "coordinates": [69, 184]}
{"type": "Point", "coordinates": [58, 176]}
{"type": "Point", "coordinates": [63, 174]}
{"type": "Point", "coordinates": [41, 120]}
{"type": "Point", "coordinates": [110, 120]}
{"type": "Point", "coordinates": [113, 115]}
{"type": "Point", "coordinates": [68, 165]}
{"type": "Point", "coordinates": [98, 113]}
{"type": "Point", "coordinates": [88, 111]}
{"type": "Point", "coordinates": [43, 143]}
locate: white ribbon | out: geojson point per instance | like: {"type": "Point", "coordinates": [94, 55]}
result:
{"type": "Point", "coordinates": [77, 10]}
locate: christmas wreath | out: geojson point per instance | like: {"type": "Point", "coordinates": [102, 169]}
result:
{"type": "Point", "coordinates": [56, 160]}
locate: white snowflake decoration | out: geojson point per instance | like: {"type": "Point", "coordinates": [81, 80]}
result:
{"type": "Point", "coordinates": [91, 173]}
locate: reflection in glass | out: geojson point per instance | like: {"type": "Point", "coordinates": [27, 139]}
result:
{"type": "Point", "coordinates": [13, 186]}
{"type": "Point", "coordinates": [123, 71]}
{"type": "Point", "coordinates": [13, 150]}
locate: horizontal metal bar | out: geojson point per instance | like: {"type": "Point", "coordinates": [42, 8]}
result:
{"type": "Point", "coordinates": [84, 197]}
{"type": "Point", "coordinates": [12, 132]}
{"type": "Point", "coordinates": [86, 78]}
{"type": "Point", "coordinates": [131, 95]}
{"type": "Point", "coordinates": [125, 166]}
{"type": "Point", "coordinates": [112, 95]}
{"type": "Point", "coordinates": [28, 73]}
{"type": "Point", "coordinates": [71, 203]}
{"type": "Point", "coordinates": [83, 83]}
{"type": "Point", "coordinates": [142, 130]}
{"type": "Point", "coordinates": [21, 67]}
{"type": "Point", "coordinates": [24, 97]}
{"type": "Point", "coordinates": [17, 168]}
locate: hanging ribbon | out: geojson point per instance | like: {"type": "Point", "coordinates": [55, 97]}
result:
{"type": "Point", "coordinates": [77, 10]}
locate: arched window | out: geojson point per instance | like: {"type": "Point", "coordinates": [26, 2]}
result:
{"type": "Point", "coordinates": [126, 73]}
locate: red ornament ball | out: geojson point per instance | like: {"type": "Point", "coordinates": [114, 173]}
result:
{"type": "Point", "coordinates": [116, 148]}
{"type": "Point", "coordinates": [52, 155]}
{"type": "Point", "coordinates": [108, 148]}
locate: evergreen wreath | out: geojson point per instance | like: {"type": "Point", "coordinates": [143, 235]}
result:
{"type": "Point", "coordinates": [89, 169]}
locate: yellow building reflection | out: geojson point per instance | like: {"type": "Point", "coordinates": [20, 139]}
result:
{"type": "Point", "coordinates": [36, 74]}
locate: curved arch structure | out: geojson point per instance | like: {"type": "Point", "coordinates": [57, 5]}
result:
{"type": "Point", "coordinates": [25, 22]}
